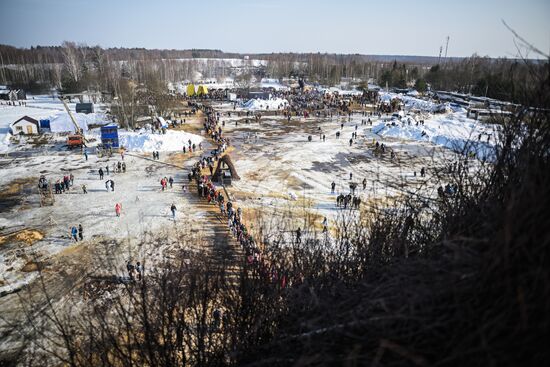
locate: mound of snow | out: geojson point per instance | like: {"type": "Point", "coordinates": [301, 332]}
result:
{"type": "Point", "coordinates": [453, 131]}
{"type": "Point", "coordinates": [143, 141]}
{"type": "Point", "coordinates": [413, 103]}
{"type": "Point", "coordinates": [262, 104]}
{"type": "Point", "coordinates": [386, 97]}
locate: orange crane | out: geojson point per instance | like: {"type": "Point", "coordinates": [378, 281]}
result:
{"type": "Point", "coordinates": [77, 139]}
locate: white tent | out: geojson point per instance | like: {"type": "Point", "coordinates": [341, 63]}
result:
{"type": "Point", "coordinates": [61, 122]}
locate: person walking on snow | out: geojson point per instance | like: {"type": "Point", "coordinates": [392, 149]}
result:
{"type": "Point", "coordinates": [101, 173]}
{"type": "Point", "coordinates": [112, 185]}
{"type": "Point", "coordinates": [173, 210]}
{"type": "Point", "coordinates": [118, 208]}
{"type": "Point", "coordinates": [80, 232]}
{"type": "Point", "coordinates": [74, 233]}
{"type": "Point", "coordinates": [171, 181]}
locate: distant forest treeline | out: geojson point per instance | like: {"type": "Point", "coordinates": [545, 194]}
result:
{"type": "Point", "coordinates": [73, 67]}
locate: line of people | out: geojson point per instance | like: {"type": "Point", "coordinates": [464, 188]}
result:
{"type": "Point", "coordinates": [207, 190]}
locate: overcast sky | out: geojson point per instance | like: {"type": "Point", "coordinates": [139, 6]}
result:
{"type": "Point", "coordinates": [397, 27]}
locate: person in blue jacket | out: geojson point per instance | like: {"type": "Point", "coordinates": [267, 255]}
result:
{"type": "Point", "coordinates": [74, 233]}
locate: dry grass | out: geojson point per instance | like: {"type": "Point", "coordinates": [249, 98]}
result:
{"type": "Point", "coordinates": [27, 236]}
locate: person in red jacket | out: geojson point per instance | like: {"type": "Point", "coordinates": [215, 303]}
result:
{"type": "Point", "coordinates": [118, 209]}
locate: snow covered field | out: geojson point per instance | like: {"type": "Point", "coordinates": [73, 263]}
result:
{"type": "Point", "coordinates": [145, 207]}
{"type": "Point", "coordinates": [279, 168]}
{"type": "Point", "coordinates": [45, 107]}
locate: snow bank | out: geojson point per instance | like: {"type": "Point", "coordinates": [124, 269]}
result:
{"type": "Point", "coordinates": [413, 103]}
{"type": "Point", "coordinates": [453, 131]}
{"type": "Point", "coordinates": [143, 141]}
{"type": "Point", "coordinates": [269, 104]}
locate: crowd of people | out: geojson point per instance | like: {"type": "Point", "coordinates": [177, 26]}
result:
{"type": "Point", "coordinates": [207, 190]}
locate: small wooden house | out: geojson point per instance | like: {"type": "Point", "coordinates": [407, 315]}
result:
{"type": "Point", "coordinates": [25, 125]}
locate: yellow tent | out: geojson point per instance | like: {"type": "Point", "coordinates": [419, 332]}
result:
{"type": "Point", "coordinates": [190, 90]}
{"type": "Point", "coordinates": [203, 90]}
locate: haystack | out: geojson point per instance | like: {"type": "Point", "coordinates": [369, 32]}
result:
{"type": "Point", "coordinates": [229, 164]}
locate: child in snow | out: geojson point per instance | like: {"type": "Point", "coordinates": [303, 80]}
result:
{"type": "Point", "coordinates": [118, 208]}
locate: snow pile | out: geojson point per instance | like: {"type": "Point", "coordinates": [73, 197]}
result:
{"type": "Point", "coordinates": [453, 131]}
{"type": "Point", "coordinates": [386, 97]}
{"type": "Point", "coordinates": [418, 104]}
{"type": "Point", "coordinates": [143, 141]}
{"type": "Point", "coordinates": [269, 104]}
{"type": "Point", "coordinates": [344, 92]}
{"type": "Point", "coordinates": [413, 103]}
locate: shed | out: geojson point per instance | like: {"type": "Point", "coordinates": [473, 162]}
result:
{"type": "Point", "coordinates": [84, 108]}
{"type": "Point", "coordinates": [25, 125]}
{"type": "Point", "coordinates": [109, 136]}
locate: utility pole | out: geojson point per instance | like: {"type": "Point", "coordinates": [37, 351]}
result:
{"type": "Point", "coordinates": [2, 66]}
{"type": "Point", "coordinates": [446, 48]}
